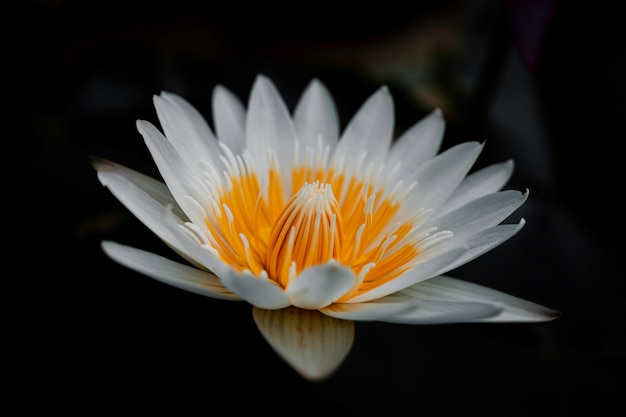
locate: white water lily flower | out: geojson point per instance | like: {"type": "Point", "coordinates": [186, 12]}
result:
{"type": "Point", "coordinates": [316, 228]}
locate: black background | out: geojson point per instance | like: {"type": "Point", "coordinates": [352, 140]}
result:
{"type": "Point", "coordinates": [91, 336]}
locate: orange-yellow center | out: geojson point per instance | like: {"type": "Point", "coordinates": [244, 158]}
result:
{"type": "Point", "coordinates": [328, 216]}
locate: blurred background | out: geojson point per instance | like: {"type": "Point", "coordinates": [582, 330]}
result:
{"type": "Point", "coordinates": [540, 81]}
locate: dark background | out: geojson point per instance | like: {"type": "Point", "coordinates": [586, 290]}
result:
{"type": "Point", "coordinates": [542, 82]}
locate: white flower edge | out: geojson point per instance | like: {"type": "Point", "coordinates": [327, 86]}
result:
{"type": "Point", "coordinates": [514, 309]}
{"type": "Point", "coordinates": [441, 300]}
{"type": "Point", "coordinates": [169, 272]}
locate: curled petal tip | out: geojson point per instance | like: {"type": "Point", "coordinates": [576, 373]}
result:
{"type": "Point", "coordinates": [313, 344]}
{"type": "Point", "coordinates": [552, 315]}
{"type": "Point", "coordinates": [96, 162]}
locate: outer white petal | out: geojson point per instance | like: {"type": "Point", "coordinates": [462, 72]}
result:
{"type": "Point", "coordinates": [477, 184]}
{"type": "Point", "coordinates": [442, 312]}
{"type": "Point", "coordinates": [269, 127]}
{"type": "Point", "coordinates": [370, 129]}
{"type": "Point", "coordinates": [315, 116]}
{"type": "Point", "coordinates": [480, 214]}
{"type": "Point", "coordinates": [422, 271]}
{"type": "Point", "coordinates": [258, 291]}
{"type": "Point", "coordinates": [417, 145]}
{"type": "Point", "coordinates": [438, 178]}
{"type": "Point", "coordinates": [176, 173]}
{"type": "Point", "coordinates": [401, 308]}
{"type": "Point", "coordinates": [141, 205]}
{"type": "Point", "coordinates": [153, 187]}
{"type": "Point", "coordinates": [482, 242]}
{"type": "Point", "coordinates": [168, 271]}
{"type": "Point", "coordinates": [371, 310]}
{"type": "Point", "coordinates": [514, 309]}
{"type": "Point", "coordinates": [318, 286]}
{"type": "Point", "coordinates": [187, 130]}
{"type": "Point", "coordinates": [229, 117]}
{"type": "Point", "coordinates": [314, 344]}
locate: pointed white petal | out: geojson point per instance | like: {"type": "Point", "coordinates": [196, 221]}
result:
{"type": "Point", "coordinates": [153, 187]}
{"type": "Point", "coordinates": [175, 172]}
{"type": "Point", "coordinates": [443, 312]}
{"type": "Point", "coordinates": [321, 285]}
{"type": "Point", "coordinates": [168, 271]}
{"type": "Point", "coordinates": [438, 178]}
{"type": "Point", "coordinates": [483, 242]}
{"type": "Point", "coordinates": [313, 344]}
{"type": "Point", "coordinates": [371, 129]}
{"type": "Point", "coordinates": [316, 116]}
{"type": "Point", "coordinates": [269, 126]}
{"type": "Point", "coordinates": [229, 116]}
{"type": "Point", "coordinates": [187, 130]}
{"type": "Point", "coordinates": [480, 214]}
{"type": "Point", "coordinates": [258, 291]}
{"type": "Point", "coordinates": [422, 271]}
{"type": "Point", "coordinates": [141, 205]}
{"type": "Point", "coordinates": [417, 145]}
{"type": "Point", "coordinates": [370, 311]}
{"type": "Point", "coordinates": [514, 309]}
{"type": "Point", "coordinates": [477, 184]}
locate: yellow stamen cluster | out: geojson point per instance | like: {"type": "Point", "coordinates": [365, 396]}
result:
{"type": "Point", "coordinates": [329, 216]}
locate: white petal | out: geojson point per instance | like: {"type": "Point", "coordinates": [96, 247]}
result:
{"type": "Point", "coordinates": [229, 117]}
{"type": "Point", "coordinates": [168, 271]}
{"type": "Point", "coordinates": [153, 187]}
{"type": "Point", "coordinates": [269, 127]}
{"type": "Point", "coordinates": [369, 311]}
{"type": "Point", "coordinates": [480, 214]}
{"type": "Point", "coordinates": [187, 130]}
{"type": "Point", "coordinates": [175, 172]}
{"type": "Point", "coordinates": [370, 129]}
{"type": "Point", "coordinates": [316, 116]}
{"type": "Point", "coordinates": [313, 344]}
{"type": "Point", "coordinates": [444, 288]}
{"type": "Point", "coordinates": [438, 178]}
{"type": "Point", "coordinates": [258, 291]}
{"type": "Point", "coordinates": [319, 286]}
{"type": "Point", "coordinates": [141, 205]}
{"type": "Point", "coordinates": [442, 312]}
{"type": "Point", "coordinates": [417, 145]}
{"type": "Point", "coordinates": [483, 242]}
{"type": "Point", "coordinates": [422, 271]}
{"type": "Point", "coordinates": [477, 184]}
